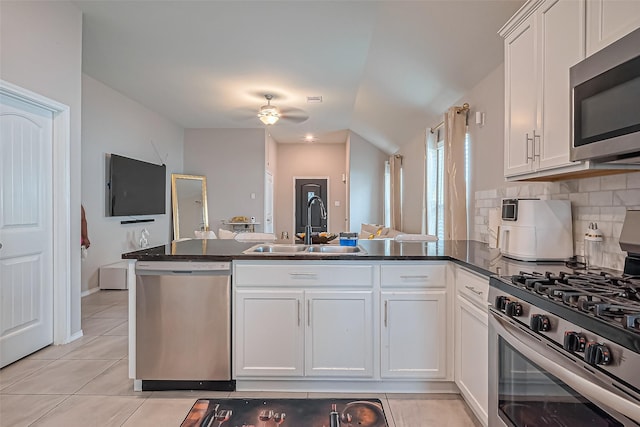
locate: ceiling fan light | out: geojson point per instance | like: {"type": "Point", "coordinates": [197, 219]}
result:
{"type": "Point", "coordinates": [268, 114]}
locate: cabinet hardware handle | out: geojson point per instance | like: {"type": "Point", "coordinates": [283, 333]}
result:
{"type": "Point", "coordinates": [527, 139]}
{"type": "Point", "coordinates": [303, 275]}
{"type": "Point", "coordinates": [534, 145]}
{"type": "Point", "coordinates": [472, 289]}
{"type": "Point", "coordinates": [424, 276]}
{"type": "Point", "coordinates": [386, 306]}
{"type": "Point", "coordinates": [309, 312]}
{"type": "Point", "coordinates": [298, 312]}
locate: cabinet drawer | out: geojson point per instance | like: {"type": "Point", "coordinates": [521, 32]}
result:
{"type": "Point", "coordinates": [419, 276]}
{"type": "Point", "coordinates": [301, 274]}
{"type": "Point", "coordinates": [473, 286]}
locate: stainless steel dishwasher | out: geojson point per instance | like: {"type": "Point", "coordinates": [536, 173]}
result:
{"type": "Point", "coordinates": [183, 325]}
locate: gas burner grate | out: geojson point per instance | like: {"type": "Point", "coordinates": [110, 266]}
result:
{"type": "Point", "coordinates": [611, 298]}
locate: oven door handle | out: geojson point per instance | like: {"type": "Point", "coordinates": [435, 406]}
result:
{"type": "Point", "coordinates": [580, 384]}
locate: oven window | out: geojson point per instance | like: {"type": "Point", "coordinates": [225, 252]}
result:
{"type": "Point", "coordinates": [529, 396]}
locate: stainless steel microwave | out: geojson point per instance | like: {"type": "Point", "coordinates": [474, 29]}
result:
{"type": "Point", "coordinates": [605, 92]}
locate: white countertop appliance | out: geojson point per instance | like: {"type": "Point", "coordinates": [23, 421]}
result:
{"type": "Point", "coordinates": [536, 230]}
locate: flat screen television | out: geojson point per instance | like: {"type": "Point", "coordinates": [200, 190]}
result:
{"type": "Point", "coordinates": [136, 187]}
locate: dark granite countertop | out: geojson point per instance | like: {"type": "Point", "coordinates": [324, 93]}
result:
{"type": "Point", "coordinates": [471, 254]}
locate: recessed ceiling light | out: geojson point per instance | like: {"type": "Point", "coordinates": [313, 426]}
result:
{"type": "Point", "coordinates": [314, 99]}
{"type": "Point", "coordinates": [309, 138]}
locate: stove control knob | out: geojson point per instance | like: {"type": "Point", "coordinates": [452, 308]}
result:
{"type": "Point", "coordinates": [513, 309]}
{"type": "Point", "coordinates": [540, 322]}
{"type": "Point", "coordinates": [574, 341]}
{"type": "Point", "coordinates": [597, 354]}
{"type": "Point", "coordinates": [501, 302]}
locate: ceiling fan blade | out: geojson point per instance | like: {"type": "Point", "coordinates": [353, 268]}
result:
{"type": "Point", "coordinates": [295, 115]}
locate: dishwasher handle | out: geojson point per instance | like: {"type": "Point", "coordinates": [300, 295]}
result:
{"type": "Point", "coordinates": [177, 268]}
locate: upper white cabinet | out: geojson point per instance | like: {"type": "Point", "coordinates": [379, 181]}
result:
{"type": "Point", "coordinates": [542, 41]}
{"type": "Point", "coordinates": [609, 20]}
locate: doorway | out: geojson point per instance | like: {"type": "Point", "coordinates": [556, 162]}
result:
{"type": "Point", "coordinates": [305, 188]}
{"type": "Point", "coordinates": [34, 249]}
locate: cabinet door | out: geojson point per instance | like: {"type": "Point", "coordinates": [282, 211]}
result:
{"type": "Point", "coordinates": [561, 43]}
{"type": "Point", "coordinates": [414, 334]}
{"type": "Point", "coordinates": [520, 98]}
{"type": "Point", "coordinates": [609, 20]}
{"type": "Point", "coordinates": [472, 356]}
{"type": "Point", "coordinates": [269, 333]}
{"type": "Point", "coordinates": [339, 336]}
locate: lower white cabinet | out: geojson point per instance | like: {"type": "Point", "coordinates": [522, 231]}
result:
{"type": "Point", "coordinates": [269, 333]}
{"type": "Point", "coordinates": [291, 321]}
{"type": "Point", "coordinates": [339, 333]}
{"type": "Point", "coordinates": [471, 346]}
{"type": "Point", "coordinates": [414, 334]}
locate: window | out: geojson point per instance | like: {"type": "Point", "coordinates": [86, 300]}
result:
{"type": "Point", "coordinates": [435, 172]}
{"type": "Point", "coordinates": [387, 194]}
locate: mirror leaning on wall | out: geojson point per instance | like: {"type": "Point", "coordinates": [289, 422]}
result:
{"type": "Point", "coordinates": [189, 205]}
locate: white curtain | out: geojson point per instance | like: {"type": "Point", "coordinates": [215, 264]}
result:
{"type": "Point", "coordinates": [430, 205]}
{"type": "Point", "coordinates": [395, 165]}
{"type": "Point", "coordinates": [455, 187]}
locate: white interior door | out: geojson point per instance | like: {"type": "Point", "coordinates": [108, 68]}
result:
{"type": "Point", "coordinates": [268, 203]}
{"type": "Point", "coordinates": [26, 229]}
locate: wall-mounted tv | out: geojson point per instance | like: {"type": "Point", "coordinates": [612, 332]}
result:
{"type": "Point", "coordinates": [136, 187]}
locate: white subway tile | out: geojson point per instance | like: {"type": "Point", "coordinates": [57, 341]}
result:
{"type": "Point", "coordinates": [579, 199]}
{"type": "Point", "coordinates": [601, 198]}
{"type": "Point", "coordinates": [633, 180]}
{"type": "Point", "coordinates": [627, 198]}
{"type": "Point", "coordinates": [589, 184]}
{"type": "Point", "coordinates": [613, 182]}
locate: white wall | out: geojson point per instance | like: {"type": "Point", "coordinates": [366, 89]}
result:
{"type": "Point", "coordinates": [113, 123]}
{"type": "Point", "coordinates": [41, 50]}
{"type": "Point", "coordinates": [366, 182]}
{"type": "Point", "coordinates": [233, 160]}
{"type": "Point", "coordinates": [310, 160]}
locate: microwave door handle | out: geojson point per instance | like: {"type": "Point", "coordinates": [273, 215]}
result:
{"type": "Point", "coordinates": [580, 384]}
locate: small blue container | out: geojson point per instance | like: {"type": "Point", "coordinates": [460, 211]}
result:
{"type": "Point", "coordinates": [348, 239]}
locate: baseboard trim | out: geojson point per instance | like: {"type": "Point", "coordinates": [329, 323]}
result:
{"type": "Point", "coordinates": [90, 291]}
{"type": "Point", "coordinates": [76, 336]}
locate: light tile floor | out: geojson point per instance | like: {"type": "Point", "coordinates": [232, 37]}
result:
{"type": "Point", "coordinates": [85, 383]}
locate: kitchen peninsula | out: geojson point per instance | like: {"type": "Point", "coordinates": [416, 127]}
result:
{"type": "Point", "coordinates": [389, 320]}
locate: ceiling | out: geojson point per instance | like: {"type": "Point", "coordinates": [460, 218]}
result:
{"type": "Point", "coordinates": [385, 69]}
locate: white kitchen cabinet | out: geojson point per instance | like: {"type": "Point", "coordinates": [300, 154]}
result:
{"type": "Point", "coordinates": [269, 333]}
{"type": "Point", "coordinates": [609, 20]}
{"type": "Point", "coordinates": [414, 341]}
{"type": "Point", "coordinates": [471, 341]}
{"type": "Point", "coordinates": [302, 319]}
{"type": "Point", "coordinates": [542, 41]}
{"type": "Point", "coordinates": [414, 321]}
{"type": "Point", "coordinates": [339, 334]}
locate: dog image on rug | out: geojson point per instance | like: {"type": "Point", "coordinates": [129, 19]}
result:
{"type": "Point", "coordinates": [286, 412]}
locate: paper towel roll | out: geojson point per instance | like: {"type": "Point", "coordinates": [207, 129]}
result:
{"type": "Point", "coordinates": [494, 227]}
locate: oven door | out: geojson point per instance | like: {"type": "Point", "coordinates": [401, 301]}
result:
{"type": "Point", "coordinates": [533, 384]}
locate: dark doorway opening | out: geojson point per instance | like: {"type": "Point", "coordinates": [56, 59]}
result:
{"type": "Point", "coordinates": [305, 189]}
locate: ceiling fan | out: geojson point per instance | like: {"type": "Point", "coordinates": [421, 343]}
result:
{"type": "Point", "coordinates": [270, 114]}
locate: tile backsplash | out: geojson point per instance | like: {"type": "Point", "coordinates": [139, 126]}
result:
{"type": "Point", "coordinates": [603, 200]}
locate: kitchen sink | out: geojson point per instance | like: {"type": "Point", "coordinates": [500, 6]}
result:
{"type": "Point", "coordinates": [283, 249]}
{"type": "Point", "coordinates": [326, 249]}
{"type": "Point", "coordinates": [276, 249]}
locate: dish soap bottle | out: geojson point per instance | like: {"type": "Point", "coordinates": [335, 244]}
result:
{"type": "Point", "coordinates": [593, 247]}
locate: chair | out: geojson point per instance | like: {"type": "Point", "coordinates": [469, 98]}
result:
{"type": "Point", "coordinates": [255, 237]}
{"type": "Point", "coordinates": [407, 237]}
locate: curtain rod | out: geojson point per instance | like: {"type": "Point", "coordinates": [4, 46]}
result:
{"type": "Point", "coordinates": [464, 107]}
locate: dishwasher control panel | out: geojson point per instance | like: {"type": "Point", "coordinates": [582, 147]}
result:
{"type": "Point", "coordinates": [183, 266]}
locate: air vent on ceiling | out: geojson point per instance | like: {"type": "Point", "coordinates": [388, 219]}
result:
{"type": "Point", "coordinates": [314, 99]}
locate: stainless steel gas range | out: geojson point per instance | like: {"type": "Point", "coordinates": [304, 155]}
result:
{"type": "Point", "coordinates": [564, 347]}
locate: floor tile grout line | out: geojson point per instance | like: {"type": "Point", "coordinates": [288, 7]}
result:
{"type": "Point", "coordinates": [49, 411]}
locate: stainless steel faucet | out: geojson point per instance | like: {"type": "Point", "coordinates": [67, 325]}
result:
{"type": "Point", "coordinates": [307, 228]}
